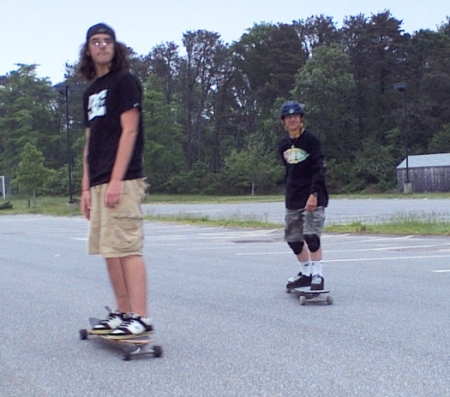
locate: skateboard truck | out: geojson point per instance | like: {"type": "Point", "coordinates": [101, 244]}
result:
{"type": "Point", "coordinates": [306, 294]}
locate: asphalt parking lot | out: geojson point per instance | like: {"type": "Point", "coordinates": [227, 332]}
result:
{"type": "Point", "coordinates": [222, 315]}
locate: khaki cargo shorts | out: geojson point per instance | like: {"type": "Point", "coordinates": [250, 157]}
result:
{"type": "Point", "coordinates": [299, 222]}
{"type": "Point", "coordinates": [117, 232]}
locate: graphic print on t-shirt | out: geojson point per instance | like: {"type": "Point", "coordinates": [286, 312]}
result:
{"type": "Point", "coordinates": [97, 105]}
{"type": "Point", "coordinates": [295, 155]}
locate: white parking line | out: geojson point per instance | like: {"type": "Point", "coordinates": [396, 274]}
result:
{"type": "Point", "coordinates": [365, 239]}
{"type": "Point", "coordinates": [393, 258]}
{"type": "Point", "coordinates": [350, 260]}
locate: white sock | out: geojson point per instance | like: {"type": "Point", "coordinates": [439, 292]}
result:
{"type": "Point", "coordinates": [316, 268]}
{"type": "Point", "coordinates": [305, 268]}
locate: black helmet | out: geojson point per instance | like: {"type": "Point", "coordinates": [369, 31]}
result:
{"type": "Point", "coordinates": [292, 107]}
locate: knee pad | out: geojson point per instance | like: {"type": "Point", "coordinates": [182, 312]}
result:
{"type": "Point", "coordinates": [313, 242]}
{"type": "Point", "coordinates": [296, 247]}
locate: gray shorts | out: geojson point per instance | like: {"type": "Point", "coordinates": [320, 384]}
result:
{"type": "Point", "coordinates": [299, 222]}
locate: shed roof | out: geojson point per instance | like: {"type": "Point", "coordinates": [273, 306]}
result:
{"type": "Point", "coordinates": [426, 160]}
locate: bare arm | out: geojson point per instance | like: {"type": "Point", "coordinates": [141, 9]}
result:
{"type": "Point", "coordinates": [129, 121]}
{"type": "Point", "coordinates": [85, 184]}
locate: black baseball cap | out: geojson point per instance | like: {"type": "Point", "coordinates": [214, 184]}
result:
{"type": "Point", "coordinates": [100, 28]}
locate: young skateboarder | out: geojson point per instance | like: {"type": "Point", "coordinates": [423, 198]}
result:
{"type": "Point", "coordinates": [306, 195]}
{"type": "Point", "coordinates": [112, 184]}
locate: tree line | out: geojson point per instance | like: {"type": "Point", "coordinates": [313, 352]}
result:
{"type": "Point", "coordinates": [211, 109]}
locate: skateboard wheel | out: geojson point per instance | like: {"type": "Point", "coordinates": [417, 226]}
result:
{"type": "Point", "coordinates": [288, 290]}
{"type": "Point", "coordinates": [302, 300]}
{"type": "Point", "coordinates": [329, 300]}
{"type": "Point", "coordinates": [157, 351]}
{"type": "Point", "coordinates": [83, 334]}
{"type": "Point", "coordinates": [127, 357]}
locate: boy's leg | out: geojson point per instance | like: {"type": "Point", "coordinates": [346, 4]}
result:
{"type": "Point", "coordinates": [117, 280]}
{"type": "Point", "coordinates": [129, 283]}
{"type": "Point", "coordinates": [304, 255]}
{"type": "Point", "coordinates": [318, 282]}
{"type": "Point", "coordinates": [293, 235]}
{"type": "Point", "coordinates": [119, 231]}
{"type": "Point", "coordinates": [135, 279]}
{"type": "Point", "coordinates": [316, 256]}
{"type": "Point", "coordinates": [303, 278]}
{"type": "Point", "coordinates": [115, 317]}
{"type": "Point", "coordinates": [136, 322]}
{"type": "Point", "coordinates": [122, 243]}
{"type": "Point", "coordinates": [313, 231]}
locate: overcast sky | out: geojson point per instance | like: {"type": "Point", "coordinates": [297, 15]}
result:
{"type": "Point", "coordinates": [49, 32]}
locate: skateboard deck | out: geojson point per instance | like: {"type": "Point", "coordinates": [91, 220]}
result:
{"type": "Point", "coordinates": [139, 343]}
{"type": "Point", "coordinates": [142, 340]}
{"type": "Point", "coordinates": [306, 294]}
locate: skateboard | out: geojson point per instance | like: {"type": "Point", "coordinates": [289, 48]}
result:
{"type": "Point", "coordinates": [306, 294]}
{"type": "Point", "coordinates": [140, 344]}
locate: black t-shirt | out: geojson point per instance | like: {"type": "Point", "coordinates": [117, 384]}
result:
{"type": "Point", "coordinates": [305, 170]}
{"type": "Point", "coordinates": [104, 102]}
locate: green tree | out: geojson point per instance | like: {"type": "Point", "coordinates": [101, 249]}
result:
{"type": "Point", "coordinates": [251, 172]}
{"type": "Point", "coordinates": [374, 167]}
{"type": "Point", "coordinates": [428, 86]}
{"type": "Point", "coordinates": [326, 85]}
{"type": "Point", "coordinates": [375, 46]}
{"type": "Point", "coordinates": [191, 181]}
{"type": "Point", "coordinates": [31, 173]}
{"type": "Point", "coordinates": [440, 142]}
{"type": "Point", "coordinates": [316, 32]}
{"type": "Point", "coordinates": [26, 115]}
{"type": "Point", "coordinates": [164, 62]}
{"type": "Point", "coordinates": [163, 153]}
{"type": "Point", "coordinates": [200, 70]}
{"type": "Point", "coordinates": [266, 59]}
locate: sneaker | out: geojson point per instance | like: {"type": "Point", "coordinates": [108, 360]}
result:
{"type": "Point", "coordinates": [317, 283]}
{"type": "Point", "coordinates": [113, 320]}
{"type": "Point", "coordinates": [132, 325]}
{"type": "Point", "coordinates": [301, 280]}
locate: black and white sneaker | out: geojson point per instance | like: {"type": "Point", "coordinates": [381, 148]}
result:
{"type": "Point", "coordinates": [301, 280]}
{"type": "Point", "coordinates": [317, 283]}
{"type": "Point", "coordinates": [132, 326]}
{"type": "Point", "coordinates": [109, 324]}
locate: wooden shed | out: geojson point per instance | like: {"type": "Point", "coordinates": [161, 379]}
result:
{"type": "Point", "coordinates": [427, 173]}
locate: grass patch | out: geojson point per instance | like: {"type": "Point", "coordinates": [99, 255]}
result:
{"type": "Point", "coordinates": [399, 224]}
{"type": "Point", "coordinates": [200, 199]}
{"type": "Point", "coordinates": [204, 220]}
{"type": "Point", "coordinates": [58, 206]}
{"type": "Point", "coordinates": [431, 227]}
{"type": "Point", "coordinates": [392, 195]}
{"type": "Point", "coordinates": [422, 223]}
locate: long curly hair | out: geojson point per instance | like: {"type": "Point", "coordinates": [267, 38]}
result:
{"type": "Point", "coordinates": [120, 62]}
